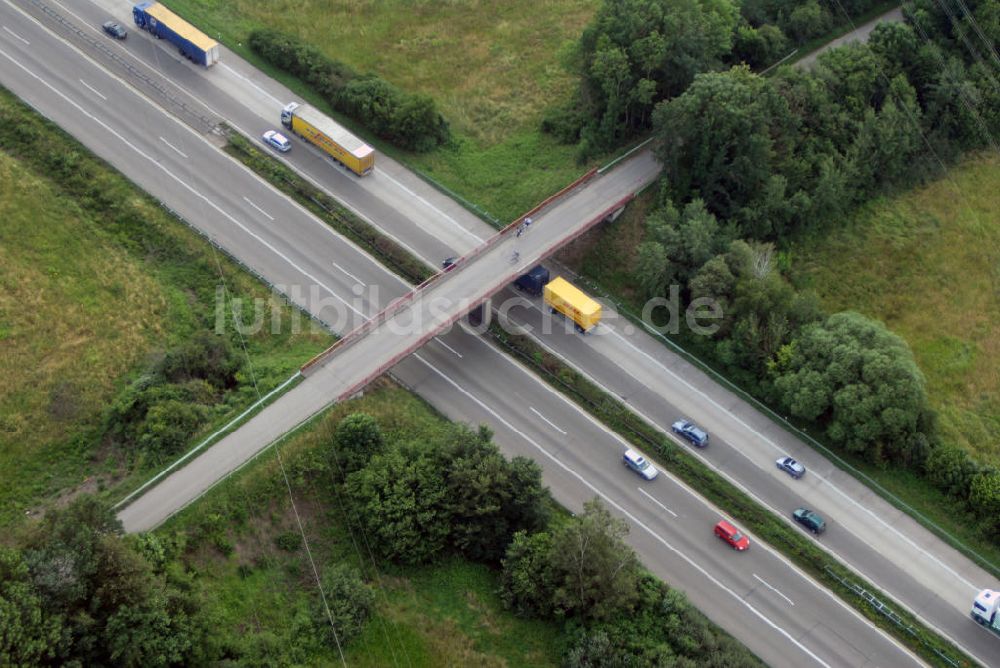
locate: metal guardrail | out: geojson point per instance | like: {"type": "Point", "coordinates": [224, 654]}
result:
{"type": "Point", "coordinates": [880, 607]}
{"type": "Point", "coordinates": [364, 233]}
{"type": "Point", "coordinates": [785, 424]}
{"type": "Point", "coordinates": [205, 124]}
{"type": "Point", "coordinates": [397, 305]}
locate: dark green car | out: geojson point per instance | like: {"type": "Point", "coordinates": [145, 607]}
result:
{"type": "Point", "coordinates": [809, 520]}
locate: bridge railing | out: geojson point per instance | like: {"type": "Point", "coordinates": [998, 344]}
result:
{"type": "Point", "coordinates": [427, 336]}
{"type": "Point", "coordinates": [397, 305]}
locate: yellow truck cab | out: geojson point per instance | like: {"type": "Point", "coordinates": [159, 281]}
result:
{"type": "Point", "coordinates": [563, 297]}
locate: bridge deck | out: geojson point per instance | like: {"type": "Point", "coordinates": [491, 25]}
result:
{"type": "Point", "coordinates": [401, 328]}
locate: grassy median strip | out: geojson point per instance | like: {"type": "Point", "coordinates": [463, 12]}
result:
{"type": "Point", "coordinates": [864, 597]}
{"type": "Point", "coordinates": [393, 256]}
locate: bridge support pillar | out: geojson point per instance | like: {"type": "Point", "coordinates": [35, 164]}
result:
{"type": "Point", "coordinates": [479, 314]}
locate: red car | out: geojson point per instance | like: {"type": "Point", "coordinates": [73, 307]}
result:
{"type": "Point", "coordinates": [732, 535]}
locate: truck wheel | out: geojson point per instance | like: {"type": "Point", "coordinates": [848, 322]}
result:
{"type": "Point", "coordinates": [552, 310]}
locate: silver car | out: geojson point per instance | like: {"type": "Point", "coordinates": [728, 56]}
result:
{"type": "Point", "coordinates": [277, 141]}
{"type": "Point", "coordinates": [791, 467]}
{"type": "Point", "coordinates": [639, 464]}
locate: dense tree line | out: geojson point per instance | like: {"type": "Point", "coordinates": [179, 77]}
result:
{"type": "Point", "coordinates": [634, 54]}
{"type": "Point", "coordinates": [75, 593]}
{"type": "Point", "coordinates": [408, 120]}
{"type": "Point", "coordinates": [776, 156]}
{"type": "Point", "coordinates": [769, 29]}
{"type": "Point", "coordinates": [581, 571]}
{"type": "Point", "coordinates": [637, 53]}
{"type": "Point", "coordinates": [418, 502]}
{"type": "Point", "coordinates": [751, 162]}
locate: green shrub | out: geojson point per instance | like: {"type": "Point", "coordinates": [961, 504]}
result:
{"type": "Point", "coordinates": [566, 121]}
{"type": "Point", "coordinates": [350, 603]}
{"type": "Point", "coordinates": [527, 586]}
{"type": "Point", "coordinates": [205, 356]}
{"type": "Point", "coordinates": [951, 470]}
{"type": "Point", "coordinates": [807, 20]}
{"type": "Point", "coordinates": [357, 439]}
{"type": "Point", "coordinates": [289, 541]}
{"type": "Point", "coordinates": [408, 120]}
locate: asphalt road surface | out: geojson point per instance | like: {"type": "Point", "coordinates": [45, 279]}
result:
{"type": "Point", "coordinates": [280, 242]}
{"type": "Point", "coordinates": [858, 34]}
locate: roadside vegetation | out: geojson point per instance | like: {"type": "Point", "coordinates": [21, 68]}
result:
{"type": "Point", "coordinates": [109, 344]}
{"type": "Point", "coordinates": [430, 547]}
{"type": "Point", "coordinates": [758, 520]}
{"type": "Point", "coordinates": [935, 284]}
{"type": "Point", "coordinates": [755, 168]}
{"type": "Point", "coordinates": [506, 76]}
{"type": "Point", "coordinates": [492, 68]}
{"type": "Point", "coordinates": [393, 256]}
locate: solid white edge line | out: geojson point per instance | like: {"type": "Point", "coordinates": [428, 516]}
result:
{"type": "Point", "coordinates": [635, 520]}
{"type": "Point", "coordinates": [614, 436]}
{"type": "Point", "coordinates": [548, 421]}
{"type": "Point", "coordinates": [739, 485]}
{"type": "Point", "coordinates": [773, 588]}
{"type": "Point", "coordinates": [183, 183]}
{"type": "Point", "coordinates": [778, 450]}
{"type": "Point", "coordinates": [654, 500]}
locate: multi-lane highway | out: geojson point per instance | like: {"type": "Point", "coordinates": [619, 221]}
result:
{"type": "Point", "coordinates": [468, 380]}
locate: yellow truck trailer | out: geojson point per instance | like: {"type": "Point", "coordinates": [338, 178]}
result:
{"type": "Point", "coordinates": [563, 297]}
{"type": "Point", "coordinates": [321, 131]}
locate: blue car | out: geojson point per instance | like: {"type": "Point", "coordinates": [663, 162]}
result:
{"type": "Point", "coordinates": [690, 431]}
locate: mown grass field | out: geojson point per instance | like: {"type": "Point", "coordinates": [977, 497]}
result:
{"type": "Point", "coordinates": [927, 263]}
{"type": "Point", "coordinates": [86, 303]}
{"type": "Point", "coordinates": [492, 66]}
{"type": "Point", "coordinates": [262, 596]}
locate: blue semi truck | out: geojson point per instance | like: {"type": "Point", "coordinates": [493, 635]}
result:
{"type": "Point", "coordinates": [162, 23]}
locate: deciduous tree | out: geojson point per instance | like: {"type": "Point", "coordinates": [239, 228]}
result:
{"type": "Point", "coordinates": [596, 574]}
{"type": "Point", "coordinates": [860, 381]}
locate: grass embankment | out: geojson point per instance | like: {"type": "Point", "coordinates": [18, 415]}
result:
{"type": "Point", "coordinates": [935, 283]}
{"type": "Point", "coordinates": [95, 285]}
{"type": "Point", "coordinates": [927, 264]}
{"type": "Point", "coordinates": [447, 613]}
{"type": "Point", "coordinates": [760, 521]}
{"type": "Point", "coordinates": [493, 67]}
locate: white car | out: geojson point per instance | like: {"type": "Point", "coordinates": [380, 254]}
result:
{"type": "Point", "coordinates": [638, 463]}
{"type": "Point", "coordinates": [277, 141]}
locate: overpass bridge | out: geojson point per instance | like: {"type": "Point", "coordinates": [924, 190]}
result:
{"type": "Point", "coordinates": [399, 329]}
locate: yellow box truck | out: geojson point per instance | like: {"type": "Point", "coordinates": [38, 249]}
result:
{"type": "Point", "coordinates": [562, 297]}
{"type": "Point", "coordinates": [321, 131]}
